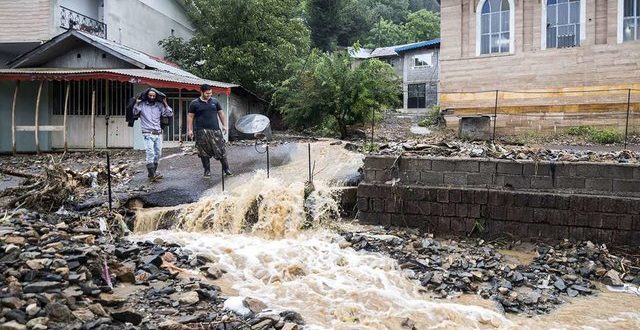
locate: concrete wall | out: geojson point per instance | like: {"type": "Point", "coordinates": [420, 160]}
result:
{"type": "Point", "coordinates": [125, 26]}
{"type": "Point", "coordinates": [428, 75]}
{"type": "Point", "coordinates": [25, 115]}
{"type": "Point", "coordinates": [565, 200]}
{"type": "Point", "coordinates": [599, 63]}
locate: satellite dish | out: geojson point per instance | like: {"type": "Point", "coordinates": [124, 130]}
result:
{"type": "Point", "coordinates": [254, 124]}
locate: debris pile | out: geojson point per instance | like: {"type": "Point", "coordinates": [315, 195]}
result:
{"type": "Point", "coordinates": [475, 149]}
{"type": "Point", "coordinates": [553, 274]}
{"type": "Point", "coordinates": [70, 274]}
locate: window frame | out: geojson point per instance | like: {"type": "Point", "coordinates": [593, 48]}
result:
{"type": "Point", "coordinates": [543, 25]}
{"type": "Point", "coordinates": [421, 95]}
{"type": "Point", "coordinates": [512, 8]}
{"type": "Point", "coordinates": [428, 64]}
{"type": "Point", "coordinates": [620, 23]}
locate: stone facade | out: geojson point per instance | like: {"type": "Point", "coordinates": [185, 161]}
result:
{"type": "Point", "coordinates": [601, 62]}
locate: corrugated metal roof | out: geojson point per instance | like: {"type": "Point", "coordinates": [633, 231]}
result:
{"type": "Point", "coordinates": [153, 75]}
{"type": "Point", "coordinates": [418, 45]}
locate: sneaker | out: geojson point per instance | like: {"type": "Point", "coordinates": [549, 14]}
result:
{"type": "Point", "coordinates": [228, 173]}
{"type": "Point", "coordinates": [207, 174]}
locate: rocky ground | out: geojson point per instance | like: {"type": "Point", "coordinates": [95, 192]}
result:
{"type": "Point", "coordinates": [73, 272]}
{"type": "Point", "coordinates": [543, 277]}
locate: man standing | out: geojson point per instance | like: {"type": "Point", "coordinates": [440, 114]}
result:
{"type": "Point", "coordinates": [206, 111]}
{"type": "Point", "coordinates": [151, 111]}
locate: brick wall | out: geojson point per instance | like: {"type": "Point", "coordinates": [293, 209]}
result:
{"type": "Point", "coordinates": [600, 178]}
{"type": "Point", "coordinates": [447, 196]}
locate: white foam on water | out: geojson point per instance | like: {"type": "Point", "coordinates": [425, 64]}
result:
{"type": "Point", "coordinates": [331, 287]}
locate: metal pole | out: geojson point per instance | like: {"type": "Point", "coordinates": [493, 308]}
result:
{"type": "Point", "coordinates": [222, 171]}
{"type": "Point", "coordinates": [495, 118]}
{"type": "Point", "coordinates": [268, 161]}
{"type": "Point", "coordinates": [309, 146]}
{"type": "Point", "coordinates": [64, 118]}
{"type": "Point", "coordinates": [373, 124]}
{"type": "Point", "coordinates": [626, 129]}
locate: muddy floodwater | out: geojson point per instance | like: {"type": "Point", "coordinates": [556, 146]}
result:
{"type": "Point", "coordinates": [278, 243]}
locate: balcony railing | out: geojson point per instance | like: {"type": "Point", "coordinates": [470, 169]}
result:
{"type": "Point", "coordinates": [70, 19]}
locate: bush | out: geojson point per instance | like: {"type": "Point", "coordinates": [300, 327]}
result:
{"type": "Point", "coordinates": [606, 136]}
{"type": "Point", "coordinates": [598, 135]}
{"type": "Point", "coordinates": [432, 117]}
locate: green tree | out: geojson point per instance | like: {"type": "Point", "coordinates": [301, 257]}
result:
{"type": "Point", "coordinates": [248, 42]}
{"type": "Point", "coordinates": [329, 92]}
{"type": "Point", "coordinates": [324, 22]}
{"type": "Point", "coordinates": [386, 33]}
{"type": "Point", "coordinates": [422, 25]}
{"type": "Point", "coordinates": [432, 5]}
{"type": "Point", "coordinates": [392, 10]}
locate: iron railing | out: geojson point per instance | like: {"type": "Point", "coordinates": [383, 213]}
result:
{"type": "Point", "coordinates": [70, 19]}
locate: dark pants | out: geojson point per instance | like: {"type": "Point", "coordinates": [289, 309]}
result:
{"type": "Point", "coordinates": [206, 163]}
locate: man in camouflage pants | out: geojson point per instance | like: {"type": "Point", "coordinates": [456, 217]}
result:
{"type": "Point", "coordinates": [205, 111]}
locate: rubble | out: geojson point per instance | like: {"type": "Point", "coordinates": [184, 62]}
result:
{"type": "Point", "coordinates": [57, 275]}
{"type": "Point", "coordinates": [448, 268]}
{"type": "Point", "coordinates": [495, 150]}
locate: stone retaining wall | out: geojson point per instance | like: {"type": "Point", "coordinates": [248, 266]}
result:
{"type": "Point", "coordinates": [455, 196]}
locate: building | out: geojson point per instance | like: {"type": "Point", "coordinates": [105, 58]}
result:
{"type": "Point", "coordinates": [418, 66]}
{"type": "Point", "coordinates": [26, 24]}
{"type": "Point", "coordinates": [554, 63]}
{"type": "Point", "coordinates": [59, 93]}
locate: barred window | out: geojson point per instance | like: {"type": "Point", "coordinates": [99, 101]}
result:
{"type": "Point", "coordinates": [417, 96]}
{"type": "Point", "coordinates": [563, 23]}
{"type": "Point", "coordinates": [80, 95]}
{"type": "Point", "coordinates": [631, 20]}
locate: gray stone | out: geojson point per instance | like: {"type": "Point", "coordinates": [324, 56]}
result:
{"type": "Point", "coordinates": [39, 287]}
{"type": "Point", "coordinates": [612, 278]}
{"type": "Point", "coordinates": [12, 325]}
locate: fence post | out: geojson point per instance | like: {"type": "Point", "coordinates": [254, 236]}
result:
{"type": "Point", "coordinates": [626, 128]}
{"type": "Point", "coordinates": [495, 118]}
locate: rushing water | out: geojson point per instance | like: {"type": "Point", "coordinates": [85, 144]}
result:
{"type": "Point", "coordinates": [255, 233]}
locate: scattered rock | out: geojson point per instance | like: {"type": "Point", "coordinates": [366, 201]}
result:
{"type": "Point", "coordinates": [127, 316]}
{"type": "Point", "coordinates": [612, 278]}
{"type": "Point", "coordinates": [189, 298]}
{"type": "Point", "coordinates": [12, 325]}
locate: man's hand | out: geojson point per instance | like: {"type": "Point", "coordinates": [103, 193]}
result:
{"type": "Point", "coordinates": [190, 134]}
{"type": "Point", "coordinates": [224, 130]}
{"type": "Point", "coordinates": [138, 100]}
{"type": "Point", "coordinates": [164, 101]}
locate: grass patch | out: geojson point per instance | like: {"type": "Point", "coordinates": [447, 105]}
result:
{"type": "Point", "coordinates": [369, 147]}
{"type": "Point", "coordinates": [598, 135]}
{"type": "Point", "coordinates": [432, 117]}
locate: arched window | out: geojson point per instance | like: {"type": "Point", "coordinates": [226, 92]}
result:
{"type": "Point", "coordinates": [563, 22]}
{"type": "Point", "coordinates": [631, 20]}
{"type": "Point", "coordinates": [495, 27]}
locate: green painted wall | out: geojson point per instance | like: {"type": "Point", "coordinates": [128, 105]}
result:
{"type": "Point", "coordinates": [25, 113]}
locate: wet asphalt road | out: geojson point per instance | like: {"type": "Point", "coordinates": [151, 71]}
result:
{"type": "Point", "coordinates": [182, 173]}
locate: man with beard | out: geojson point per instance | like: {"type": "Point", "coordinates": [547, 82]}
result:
{"type": "Point", "coordinates": [205, 111]}
{"type": "Point", "coordinates": [151, 112]}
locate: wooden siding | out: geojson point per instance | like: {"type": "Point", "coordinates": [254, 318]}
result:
{"type": "Point", "coordinates": [25, 20]}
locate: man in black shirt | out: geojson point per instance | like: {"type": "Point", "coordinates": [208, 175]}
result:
{"type": "Point", "coordinates": [206, 111]}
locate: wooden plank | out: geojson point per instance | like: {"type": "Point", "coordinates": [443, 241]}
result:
{"type": "Point", "coordinates": [64, 118]}
{"type": "Point", "coordinates": [93, 120]}
{"type": "Point", "coordinates": [13, 118]}
{"type": "Point", "coordinates": [37, 117]}
{"type": "Point", "coordinates": [41, 128]}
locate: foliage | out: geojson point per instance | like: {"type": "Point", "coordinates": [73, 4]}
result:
{"type": "Point", "coordinates": [328, 92]}
{"type": "Point", "coordinates": [370, 147]}
{"type": "Point", "coordinates": [248, 42]}
{"type": "Point", "coordinates": [432, 117]}
{"type": "Point", "coordinates": [598, 135]}
{"type": "Point", "coordinates": [377, 22]}
{"type": "Point", "coordinates": [421, 25]}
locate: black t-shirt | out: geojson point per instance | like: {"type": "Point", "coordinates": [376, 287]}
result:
{"type": "Point", "coordinates": [206, 113]}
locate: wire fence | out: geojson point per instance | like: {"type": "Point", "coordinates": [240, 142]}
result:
{"type": "Point", "coordinates": [513, 112]}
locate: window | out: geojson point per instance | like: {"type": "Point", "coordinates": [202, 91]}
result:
{"type": "Point", "coordinates": [422, 60]}
{"type": "Point", "coordinates": [495, 27]}
{"type": "Point", "coordinates": [417, 96]}
{"type": "Point", "coordinates": [631, 20]}
{"type": "Point", "coordinates": [563, 23]}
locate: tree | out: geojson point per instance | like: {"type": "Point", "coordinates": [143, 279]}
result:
{"type": "Point", "coordinates": [249, 42]}
{"type": "Point", "coordinates": [324, 22]}
{"type": "Point", "coordinates": [422, 25]}
{"type": "Point", "coordinates": [329, 92]}
{"type": "Point", "coordinates": [386, 33]}
{"type": "Point", "coordinates": [432, 5]}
